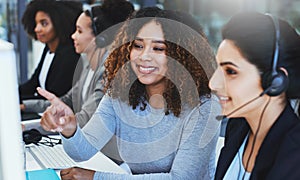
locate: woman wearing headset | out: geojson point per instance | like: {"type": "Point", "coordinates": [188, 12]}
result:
{"type": "Point", "coordinates": [257, 74]}
{"type": "Point", "coordinates": [86, 94]}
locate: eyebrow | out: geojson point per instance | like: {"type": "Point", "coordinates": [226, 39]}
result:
{"type": "Point", "coordinates": [228, 63]}
{"type": "Point", "coordinates": [154, 41]}
{"type": "Point", "coordinates": [43, 19]}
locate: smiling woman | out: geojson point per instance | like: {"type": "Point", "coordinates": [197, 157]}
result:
{"type": "Point", "coordinates": [83, 36]}
{"type": "Point", "coordinates": [148, 58]}
{"type": "Point", "coordinates": [235, 71]}
{"type": "Point", "coordinates": [157, 105]}
{"type": "Point", "coordinates": [257, 75]}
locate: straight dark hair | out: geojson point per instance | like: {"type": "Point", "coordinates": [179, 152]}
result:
{"type": "Point", "coordinates": [254, 34]}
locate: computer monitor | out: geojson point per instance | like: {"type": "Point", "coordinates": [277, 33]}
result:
{"type": "Point", "coordinates": [11, 150]}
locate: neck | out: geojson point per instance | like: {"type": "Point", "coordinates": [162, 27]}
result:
{"type": "Point", "coordinates": [267, 118]}
{"type": "Point", "coordinates": [260, 126]}
{"type": "Point", "coordinates": [155, 94]}
{"type": "Point", "coordinates": [95, 56]}
{"type": "Point", "coordinates": [53, 45]}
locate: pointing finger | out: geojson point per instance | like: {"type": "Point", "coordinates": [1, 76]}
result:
{"type": "Point", "coordinates": [49, 96]}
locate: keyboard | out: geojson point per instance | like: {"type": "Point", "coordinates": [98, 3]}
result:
{"type": "Point", "coordinates": [51, 157]}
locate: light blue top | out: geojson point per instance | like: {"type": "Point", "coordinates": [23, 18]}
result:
{"type": "Point", "coordinates": [236, 169]}
{"type": "Point", "coordinates": [154, 145]}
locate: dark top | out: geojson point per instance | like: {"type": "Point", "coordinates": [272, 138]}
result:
{"type": "Point", "coordinates": [279, 154]}
{"type": "Point", "coordinates": [60, 75]}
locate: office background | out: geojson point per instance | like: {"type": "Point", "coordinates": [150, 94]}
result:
{"type": "Point", "coordinates": [212, 15]}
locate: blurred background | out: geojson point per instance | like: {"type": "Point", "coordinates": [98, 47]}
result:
{"type": "Point", "coordinates": [211, 14]}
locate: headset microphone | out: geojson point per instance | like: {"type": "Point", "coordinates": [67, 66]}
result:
{"type": "Point", "coordinates": [221, 117]}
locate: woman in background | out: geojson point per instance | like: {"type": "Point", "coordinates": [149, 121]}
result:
{"type": "Point", "coordinates": [258, 73]}
{"type": "Point", "coordinates": [52, 23]}
{"type": "Point", "coordinates": [86, 94]}
{"type": "Point", "coordinates": [157, 104]}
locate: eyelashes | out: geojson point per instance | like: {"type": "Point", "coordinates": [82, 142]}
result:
{"type": "Point", "coordinates": [159, 49]}
{"type": "Point", "coordinates": [156, 48]}
{"type": "Point", "coordinates": [137, 46]}
{"type": "Point", "coordinates": [44, 23]}
{"type": "Point", "coordinates": [230, 71]}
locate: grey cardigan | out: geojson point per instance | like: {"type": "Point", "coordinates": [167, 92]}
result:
{"type": "Point", "coordinates": [83, 108]}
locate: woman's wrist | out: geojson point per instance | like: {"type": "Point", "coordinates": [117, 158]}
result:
{"type": "Point", "coordinates": [71, 128]}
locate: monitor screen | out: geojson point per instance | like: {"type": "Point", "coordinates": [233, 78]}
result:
{"type": "Point", "coordinates": [11, 149]}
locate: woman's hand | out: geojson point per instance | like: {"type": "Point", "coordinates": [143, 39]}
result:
{"type": "Point", "coordinates": [76, 173]}
{"type": "Point", "coordinates": [58, 117]}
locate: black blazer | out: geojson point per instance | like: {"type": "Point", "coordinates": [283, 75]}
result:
{"type": "Point", "coordinates": [60, 75]}
{"type": "Point", "coordinates": [279, 155]}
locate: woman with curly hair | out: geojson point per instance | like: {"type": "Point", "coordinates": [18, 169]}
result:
{"type": "Point", "coordinates": [52, 23]}
{"type": "Point", "coordinates": [157, 104]}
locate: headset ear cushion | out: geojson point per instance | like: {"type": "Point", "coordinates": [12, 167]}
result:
{"type": "Point", "coordinates": [101, 41]}
{"type": "Point", "coordinates": [275, 85]}
{"type": "Point", "coordinates": [104, 39]}
{"type": "Point", "coordinates": [266, 80]}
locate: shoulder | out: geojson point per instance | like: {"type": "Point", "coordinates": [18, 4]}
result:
{"type": "Point", "coordinates": [207, 108]}
{"type": "Point", "coordinates": [288, 157]}
{"type": "Point", "coordinates": [288, 124]}
{"type": "Point", "coordinates": [108, 101]}
{"type": "Point", "coordinates": [293, 136]}
{"type": "Point", "coordinates": [67, 55]}
{"type": "Point", "coordinates": [106, 105]}
{"type": "Point", "coordinates": [67, 50]}
{"type": "Point", "coordinates": [204, 122]}
{"type": "Point", "coordinates": [209, 105]}
{"type": "Point", "coordinates": [206, 111]}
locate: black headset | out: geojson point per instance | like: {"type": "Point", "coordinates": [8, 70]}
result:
{"type": "Point", "coordinates": [276, 81]}
{"type": "Point", "coordinates": [32, 136]}
{"type": "Point", "coordinates": [35, 137]}
{"type": "Point", "coordinates": [101, 39]}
